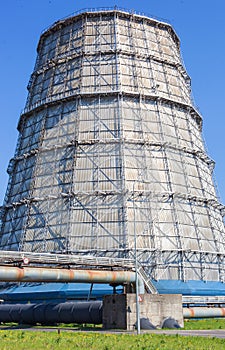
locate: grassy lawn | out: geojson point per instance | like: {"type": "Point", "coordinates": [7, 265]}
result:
{"type": "Point", "coordinates": [66, 340]}
{"type": "Point", "coordinates": [211, 323]}
{"type": "Point", "coordinates": [22, 340]}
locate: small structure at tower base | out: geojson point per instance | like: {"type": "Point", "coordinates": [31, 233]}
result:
{"type": "Point", "coordinates": [119, 311]}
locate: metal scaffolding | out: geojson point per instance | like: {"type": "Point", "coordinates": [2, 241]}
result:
{"type": "Point", "coordinates": [110, 150]}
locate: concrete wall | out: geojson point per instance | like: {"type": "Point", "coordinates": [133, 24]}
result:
{"type": "Point", "coordinates": [119, 311]}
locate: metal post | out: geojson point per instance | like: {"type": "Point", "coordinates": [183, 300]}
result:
{"type": "Point", "coordinates": [136, 270]}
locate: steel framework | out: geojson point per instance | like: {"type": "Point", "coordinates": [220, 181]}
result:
{"type": "Point", "coordinates": [110, 133]}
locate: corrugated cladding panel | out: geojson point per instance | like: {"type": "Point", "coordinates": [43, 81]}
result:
{"type": "Point", "coordinates": [109, 146]}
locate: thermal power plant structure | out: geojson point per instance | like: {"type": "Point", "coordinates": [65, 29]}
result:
{"type": "Point", "coordinates": [110, 159]}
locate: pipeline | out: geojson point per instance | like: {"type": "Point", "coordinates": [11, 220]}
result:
{"type": "Point", "coordinates": [50, 313]}
{"type": "Point", "coordinates": [203, 312]}
{"type": "Point", "coordinates": [44, 274]}
{"type": "Point", "coordinates": [77, 312]}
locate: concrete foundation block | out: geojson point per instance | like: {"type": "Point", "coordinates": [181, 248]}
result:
{"type": "Point", "coordinates": [119, 311]}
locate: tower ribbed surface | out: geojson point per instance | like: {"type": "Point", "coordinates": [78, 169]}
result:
{"type": "Point", "coordinates": [110, 152]}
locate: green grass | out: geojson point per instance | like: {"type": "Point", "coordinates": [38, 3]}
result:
{"type": "Point", "coordinates": [22, 340]}
{"type": "Point", "coordinates": [210, 323]}
{"type": "Point", "coordinates": [66, 340]}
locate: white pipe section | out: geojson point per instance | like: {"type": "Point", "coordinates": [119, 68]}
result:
{"type": "Point", "coordinates": [44, 274]}
{"type": "Point", "coordinates": [203, 312]}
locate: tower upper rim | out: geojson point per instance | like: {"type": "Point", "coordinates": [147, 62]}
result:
{"type": "Point", "coordinates": [109, 10]}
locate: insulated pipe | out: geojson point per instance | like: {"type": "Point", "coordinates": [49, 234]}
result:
{"type": "Point", "coordinates": [44, 274]}
{"type": "Point", "coordinates": [203, 312]}
{"type": "Point", "coordinates": [51, 313]}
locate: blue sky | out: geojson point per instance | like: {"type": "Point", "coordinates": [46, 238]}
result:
{"type": "Point", "coordinates": [200, 24]}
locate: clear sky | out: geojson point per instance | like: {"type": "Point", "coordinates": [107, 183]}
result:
{"type": "Point", "coordinates": [200, 24]}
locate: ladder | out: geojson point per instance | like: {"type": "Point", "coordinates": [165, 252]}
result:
{"type": "Point", "coordinates": [147, 281]}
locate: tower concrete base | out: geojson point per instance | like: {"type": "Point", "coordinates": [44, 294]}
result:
{"type": "Point", "coordinates": [119, 311]}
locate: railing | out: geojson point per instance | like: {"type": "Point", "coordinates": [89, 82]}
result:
{"type": "Point", "coordinates": [147, 281]}
{"type": "Point", "coordinates": [105, 9]}
{"type": "Point", "coordinates": [7, 257]}
{"type": "Point", "coordinates": [203, 300]}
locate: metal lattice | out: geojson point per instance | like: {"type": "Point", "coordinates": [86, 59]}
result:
{"type": "Point", "coordinates": [110, 146]}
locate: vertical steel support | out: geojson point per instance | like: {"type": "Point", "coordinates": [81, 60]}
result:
{"type": "Point", "coordinates": [136, 270]}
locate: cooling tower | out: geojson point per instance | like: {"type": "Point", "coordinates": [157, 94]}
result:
{"type": "Point", "coordinates": [110, 159]}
